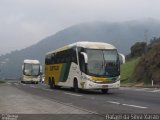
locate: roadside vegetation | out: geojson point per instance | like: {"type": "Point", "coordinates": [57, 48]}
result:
{"type": "Point", "coordinates": [148, 67]}
{"type": "Point", "coordinates": [142, 66]}
{"type": "Point", "coordinates": [2, 81]}
{"type": "Point", "coordinates": [127, 70]}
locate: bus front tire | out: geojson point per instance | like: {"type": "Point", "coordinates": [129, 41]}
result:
{"type": "Point", "coordinates": [76, 89]}
{"type": "Point", "coordinates": [104, 91]}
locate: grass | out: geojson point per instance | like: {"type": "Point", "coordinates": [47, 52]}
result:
{"type": "Point", "coordinates": [127, 70]}
{"type": "Point", "coordinates": [1, 81]}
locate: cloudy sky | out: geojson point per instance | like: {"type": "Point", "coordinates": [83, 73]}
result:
{"type": "Point", "coordinates": [25, 22]}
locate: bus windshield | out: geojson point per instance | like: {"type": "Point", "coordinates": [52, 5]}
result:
{"type": "Point", "coordinates": [31, 69]}
{"type": "Point", "coordinates": [103, 62]}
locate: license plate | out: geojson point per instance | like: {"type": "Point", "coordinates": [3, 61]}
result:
{"type": "Point", "coordinates": [104, 86]}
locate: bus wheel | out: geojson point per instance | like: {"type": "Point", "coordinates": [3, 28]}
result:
{"type": "Point", "coordinates": [76, 89]}
{"type": "Point", "coordinates": [104, 91]}
{"type": "Point", "coordinates": [52, 84]}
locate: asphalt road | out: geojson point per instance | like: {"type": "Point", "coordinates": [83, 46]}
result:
{"type": "Point", "coordinates": [117, 101]}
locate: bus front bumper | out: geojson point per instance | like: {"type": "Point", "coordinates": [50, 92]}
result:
{"type": "Point", "coordinates": [30, 80]}
{"type": "Point", "coordinates": [94, 85]}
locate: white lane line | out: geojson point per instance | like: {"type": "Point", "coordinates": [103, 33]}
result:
{"type": "Point", "coordinates": [118, 103]}
{"type": "Point", "coordinates": [72, 94]}
{"type": "Point", "coordinates": [135, 89]}
{"type": "Point", "coordinates": [155, 90]}
{"type": "Point", "coordinates": [114, 102]}
{"type": "Point", "coordinates": [141, 89]}
{"type": "Point", "coordinates": [135, 106]}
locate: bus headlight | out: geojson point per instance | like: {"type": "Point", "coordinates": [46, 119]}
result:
{"type": "Point", "coordinates": [88, 78]}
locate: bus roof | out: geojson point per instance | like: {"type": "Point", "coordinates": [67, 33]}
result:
{"type": "Point", "coordinates": [31, 61]}
{"type": "Point", "coordinates": [85, 44]}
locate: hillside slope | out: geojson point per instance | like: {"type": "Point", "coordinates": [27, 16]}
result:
{"type": "Point", "coordinates": [148, 68]}
{"type": "Point", "coordinates": [127, 69]}
{"type": "Point", "coordinates": [121, 35]}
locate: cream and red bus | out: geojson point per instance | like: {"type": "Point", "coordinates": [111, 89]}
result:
{"type": "Point", "coordinates": [83, 65]}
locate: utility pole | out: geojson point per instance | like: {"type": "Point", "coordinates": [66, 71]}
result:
{"type": "Point", "coordinates": [146, 40]}
{"type": "Point", "coordinates": [146, 36]}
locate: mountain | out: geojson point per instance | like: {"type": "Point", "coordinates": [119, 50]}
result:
{"type": "Point", "coordinates": [122, 35]}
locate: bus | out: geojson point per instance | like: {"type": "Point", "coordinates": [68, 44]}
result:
{"type": "Point", "coordinates": [122, 58]}
{"type": "Point", "coordinates": [83, 65]}
{"type": "Point", "coordinates": [31, 71]}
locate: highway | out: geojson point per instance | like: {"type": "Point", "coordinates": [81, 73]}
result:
{"type": "Point", "coordinates": [117, 101]}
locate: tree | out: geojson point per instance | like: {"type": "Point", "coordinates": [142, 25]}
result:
{"type": "Point", "coordinates": [138, 49]}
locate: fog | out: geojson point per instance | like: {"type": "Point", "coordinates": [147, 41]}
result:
{"type": "Point", "coordinates": [25, 22]}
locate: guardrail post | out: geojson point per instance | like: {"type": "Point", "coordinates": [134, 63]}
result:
{"type": "Point", "coordinates": [152, 83]}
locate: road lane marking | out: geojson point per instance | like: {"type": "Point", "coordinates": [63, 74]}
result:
{"type": "Point", "coordinates": [135, 89]}
{"type": "Point", "coordinates": [114, 102]}
{"type": "Point", "coordinates": [135, 106]}
{"type": "Point", "coordinates": [141, 89]}
{"type": "Point", "coordinates": [72, 94]}
{"type": "Point", "coordinates": [155, 90]}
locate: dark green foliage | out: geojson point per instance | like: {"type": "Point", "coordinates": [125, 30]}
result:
{"type": "Point", "coordinates": [2, 81]}
{"type": "Point", "coordinates": [148, 68]}
{"type": "Point", "coordinates": [153, 41]}
{"type": "Point", "coordinates": [138, 49]}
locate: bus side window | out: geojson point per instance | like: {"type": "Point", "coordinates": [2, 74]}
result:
{"type": "Point", "coordinates": [52, 59]}
{"type": "Point", "coordinates": [73, 55]}
{"type": "Point", "coordinates": [47, 60]}
{"type": "Point", "coordinates": [58, 57]}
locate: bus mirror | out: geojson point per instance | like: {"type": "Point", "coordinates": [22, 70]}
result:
{"type": "Point", "coordinates": [121, 58]}
{"type": "Point", "coordinates": [41, 68]}
{"type": "Point", "coordinates": [22, 67]}
{"type": "Point", "coordinates": [85, 57]}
